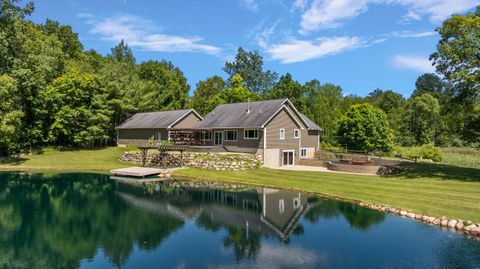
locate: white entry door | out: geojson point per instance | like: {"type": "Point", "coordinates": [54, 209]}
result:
{"type": "Point", "coordinates": [288, 156]}
{"type": "Point", "coordinates": [218, 138]}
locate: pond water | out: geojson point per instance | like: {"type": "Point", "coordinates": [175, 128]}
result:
{"type": "Point", "coordinates": [91, 221]}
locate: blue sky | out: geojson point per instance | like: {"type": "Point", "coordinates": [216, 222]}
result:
{"type": "Point", "coordinates": [360, 45]}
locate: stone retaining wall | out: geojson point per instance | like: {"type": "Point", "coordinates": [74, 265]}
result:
{"type": "Point", "coordinates": [351, 168]}
{"type": "Point", "coordinates": [204, 160]}
{"type": "Point", "coordinates": [313, 162]}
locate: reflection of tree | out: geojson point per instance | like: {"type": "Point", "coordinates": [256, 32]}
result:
{"type": "Point", "coordinates": [56, 221]}
{"type": "Point", "coordinates": [358, 217]}
{"type": "Point", "coordinates": [245, 244]}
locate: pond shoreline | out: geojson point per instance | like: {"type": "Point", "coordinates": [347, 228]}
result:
{"type": "Point", "coordinates": [468, 228]}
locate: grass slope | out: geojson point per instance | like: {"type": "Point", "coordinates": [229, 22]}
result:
{"type": "Point", "coordinates": [69, 160]}
{"type": "Point", "coordinates": [432, 189]}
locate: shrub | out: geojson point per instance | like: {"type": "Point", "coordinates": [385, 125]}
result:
{"type": "Point", "coordinates": [167, 143]}
{"type": "Point", "coordinates": [425, 152]}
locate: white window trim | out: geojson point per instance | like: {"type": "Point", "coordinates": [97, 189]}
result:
{"type": "Point", "coordinates": [225, 138]}
{"type": "Point", "coordinates": [296, 203]}
{"type": "Point", "coordinates": [251, 138]}
{"type": "Point", "coordinates": [211, 136]}
{"type": "Point", "coordinates": [282, 134]}
{"type": "Point", "coordinates": [301, 155]}
{"type": "Point", "coordinates": [293, 155]}
{"type": "Point", "coordinates": [158, 138]}
{"type": "Point", "coordinates": [296, 131]}
{"type": "Point", "coordinates": [281, 206]}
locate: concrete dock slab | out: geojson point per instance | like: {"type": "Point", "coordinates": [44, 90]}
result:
{"type": "Point", "coordinates": [137, 171]}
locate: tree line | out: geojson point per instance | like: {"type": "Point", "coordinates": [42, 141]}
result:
{"type": "Point", "coordinates": [55, 93]}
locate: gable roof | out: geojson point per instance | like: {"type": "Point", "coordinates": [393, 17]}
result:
{"type": "Point", "coordinates": [154, 120]}
{"type": "Point", "coordinates": [311, 124]}
{"type": "Point", "coordinates": [248, 115]}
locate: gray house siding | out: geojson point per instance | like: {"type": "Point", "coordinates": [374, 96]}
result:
{"type": "Point", "coordinates": [139, 137]}
{"type": "Point", "coordinates": [283, 121]}
{"type": "Point", "coordinates": [241, 145]}
{"type": "Point", "coordinates": [187, 122]}
{"type": "Point", "coordinates": [310, 141]}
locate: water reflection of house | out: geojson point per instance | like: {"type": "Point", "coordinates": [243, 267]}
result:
{"type": "Point", "coordinates": [282, 210]}
{"type": "Point", "coordinates": [266, 211]}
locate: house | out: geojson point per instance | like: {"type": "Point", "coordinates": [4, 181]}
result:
{"type": "Point", "coordinates": [274, 129]}
{"type": "Point", "coordinates": [139, 129]}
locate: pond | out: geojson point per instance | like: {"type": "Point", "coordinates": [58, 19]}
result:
{"type": "Point", "coordinates": [90, 221]}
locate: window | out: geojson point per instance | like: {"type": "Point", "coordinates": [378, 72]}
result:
{"type": "Point", "coordinates": [296, 133]}
{"type": "Point", "coordinates": [251, 134]}
{"type": "Point", "coordinates": [206, 136]}
{"type": "Point", "coordinates": [296, 203]}
{"type": "Point", "coordinates": [158, 137]}
{"type": "Point", "coordinates": [231, 135]}
{"type": "Point", "coordinates": [281, 205]}
{"type": "Point", "coordinates": [303, 153]}
{"type": "Point", "coordinates": [282, 133]}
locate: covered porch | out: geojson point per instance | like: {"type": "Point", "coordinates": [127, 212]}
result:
{"type": "Point", "coordinates": [190, 137]}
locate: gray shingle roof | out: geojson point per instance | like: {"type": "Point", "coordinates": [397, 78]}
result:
{"type": "Point", "coordinates": [236, 116]}
{"type": "Point", "coordinates": [311, 124]}
{"type": "Point", "coordinates": [161, 119]}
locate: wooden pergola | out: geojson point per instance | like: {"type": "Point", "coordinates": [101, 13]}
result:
{"type": "Point", "coordinates": [161, 158]}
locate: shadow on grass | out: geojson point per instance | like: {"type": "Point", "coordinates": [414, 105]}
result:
{"type": "Point", "coordinates": [12, 160]}
{"type": "Point", "coordinates": [440, 171]}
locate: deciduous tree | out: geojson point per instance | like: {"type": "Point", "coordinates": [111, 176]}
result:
{"type": "Point", "coordinates": [365, 127]}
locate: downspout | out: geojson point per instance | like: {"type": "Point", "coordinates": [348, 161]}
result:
{"type": "Point", "coordinates": [264, 143]}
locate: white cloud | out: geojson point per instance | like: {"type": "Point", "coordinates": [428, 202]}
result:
{"type": "Point", "coordinates": [273, 256]}
{"type": "Point", "coordinates": [250, 4]}
{"type": "Point", "coordinates": [299, 4]}
{"type": "Point", "coordinates": [302, 50]}
{"type": "Point", "coordinates": [408, 34]}
{"type": "Point", "coordinates": [436, 10]}
{"type": "Point", "coordinates": [416, 63]}
{"type": "Point", "coordinates": [323, 14]}
{"type": "Point", "coordinates": [329, 13]}
{"type": "Point", "coordinates": [263, 36]}
{"type": "Point", "coordinates": [141, 33]}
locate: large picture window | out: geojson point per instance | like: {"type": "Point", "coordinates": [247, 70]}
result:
{"type": "Point", "coordinates": [251, 134]}
{"type": "Point", "coordinates": [231, 135]}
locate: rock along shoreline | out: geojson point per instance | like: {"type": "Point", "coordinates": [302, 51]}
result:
{"type": "Point", "coordinates": [467, 227]}
{"type": "Point", "coordinates": [458, 225]}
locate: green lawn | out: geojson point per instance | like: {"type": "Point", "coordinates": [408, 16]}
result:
{"type": "Point", "coordinates": [69, 160]}
{"type": "Point", "coordinates": [433, 189]}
